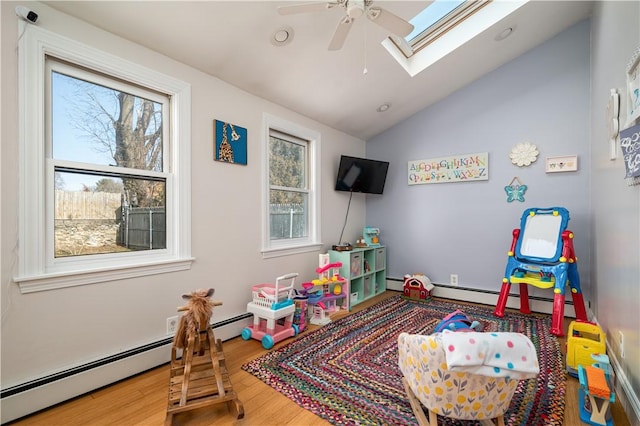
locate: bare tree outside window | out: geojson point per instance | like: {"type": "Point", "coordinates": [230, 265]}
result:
{"type": "Point", "coordinates": [107, 140]}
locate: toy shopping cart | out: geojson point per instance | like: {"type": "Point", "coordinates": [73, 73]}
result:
{"type": "Point", "coordinates": [273, 309]}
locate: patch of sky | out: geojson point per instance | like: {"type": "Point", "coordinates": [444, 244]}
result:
{"type": "Point", "coordinates": [71, 126]}
{"type": "Point", "coordinates": [433, 13]}
{"type": "Point", "coordinates": [82, 127]}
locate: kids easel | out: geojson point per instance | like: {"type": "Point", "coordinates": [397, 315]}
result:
{"type": "Point", "coordinates": [199, 378]}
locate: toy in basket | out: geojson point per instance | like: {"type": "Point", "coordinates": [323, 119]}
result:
{"type": "Point", "coordinates": [273, 309]}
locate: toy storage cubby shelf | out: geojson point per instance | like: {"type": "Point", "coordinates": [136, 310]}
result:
{"type": "Point", "coordinates": [365, 268]}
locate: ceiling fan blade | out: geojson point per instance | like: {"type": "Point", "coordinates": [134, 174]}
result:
{"type": "Point", "coordinates": [305, 8]}
{"type": "Point", "coordinates": [388, 20]}
{"type": "Point", "coordinates": [341, 33]}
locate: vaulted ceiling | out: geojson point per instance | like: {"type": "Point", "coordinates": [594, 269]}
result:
{"type": "Point", "coordinates": [231, 40]}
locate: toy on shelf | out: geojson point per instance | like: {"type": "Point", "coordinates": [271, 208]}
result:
{"type": "Point", "coordinates": [371, 236]}
{"type": "Point", "coordinates": [584, 340]}
{"type": "Point", "coordinates": [273, 310]}
{"type": "Point", "coordinates": [417, 286]}
{"type": "Point", "coordinates": [360, 243]}
{"type": "Point", "coordinates": [542, 255]}
{"type": "Point", "coordinates": [595, 393]}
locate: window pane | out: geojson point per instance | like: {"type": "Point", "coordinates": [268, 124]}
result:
{"type": "Point", "coordinates": [431, 15]}
{"type": "Point", "coordinates": [100, 125]}
{"type": "Point", "coordinates": [110, 214]}
{"type": "Point", "coordinates": [287, 215]}
{"type": "Point", "coordinates": [287, 163]}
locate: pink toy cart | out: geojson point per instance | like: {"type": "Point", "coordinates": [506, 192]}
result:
{"type": "Point", "coordinates": [273, 309]}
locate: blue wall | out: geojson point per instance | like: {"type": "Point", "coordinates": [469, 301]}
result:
{"type": "Point", "coordinates": [465, 228]}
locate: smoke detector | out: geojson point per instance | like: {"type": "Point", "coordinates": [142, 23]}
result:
{"type": "Point", "coordinates": [282, 36]}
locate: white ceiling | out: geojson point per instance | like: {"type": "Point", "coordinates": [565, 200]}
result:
{"type": "Point", "coordinates": [231, 40]}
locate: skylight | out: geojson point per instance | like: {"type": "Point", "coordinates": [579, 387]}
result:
{"type": "Point", "coordinates": [436, 19]}
{"type": "Point", "coordinates": [446, 28]}
{"type": "Point", "coordinates": [432, 15]}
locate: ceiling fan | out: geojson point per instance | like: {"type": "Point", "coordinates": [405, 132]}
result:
{"type": "Point", "coordinates": [353, 9]}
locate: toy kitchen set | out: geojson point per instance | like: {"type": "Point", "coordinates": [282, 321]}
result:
{"type": "Point", "coordinates": [370, 237]}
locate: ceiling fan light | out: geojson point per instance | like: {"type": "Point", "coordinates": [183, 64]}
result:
{"type": "Point", "coordinates": [355, 10]}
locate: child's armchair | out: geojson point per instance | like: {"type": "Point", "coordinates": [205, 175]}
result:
{"type": "Point", "coordinates": [460, 394]}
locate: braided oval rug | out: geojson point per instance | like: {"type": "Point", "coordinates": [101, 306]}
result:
{"type": "Point", "coordinates": [347, 371]}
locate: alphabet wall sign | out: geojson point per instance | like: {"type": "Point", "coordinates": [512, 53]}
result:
{"type": "Point", "coordinates": [455, 168]}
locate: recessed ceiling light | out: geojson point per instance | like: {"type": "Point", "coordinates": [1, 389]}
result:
{"type": "Point", "coordinates": [282, 36]}
{"type": "Point", "coordinates": [384, 107]}
{"type": "Point", "coordinates": [505, 33]}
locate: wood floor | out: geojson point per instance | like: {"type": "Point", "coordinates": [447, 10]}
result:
{"type": "Point", "coordinates": [142, 400]}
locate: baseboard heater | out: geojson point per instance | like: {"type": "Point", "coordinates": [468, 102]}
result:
{"type": "Point", "coordinates": [38, 394]}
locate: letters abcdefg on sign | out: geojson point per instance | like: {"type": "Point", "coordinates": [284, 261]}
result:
{"type": "Point", "coordinates": [455, 168]}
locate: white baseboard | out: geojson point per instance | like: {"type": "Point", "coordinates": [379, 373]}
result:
{"type": "Point", "coordinates": [484, 297]}
{"type": "Point", "coordinates": [37, 397]}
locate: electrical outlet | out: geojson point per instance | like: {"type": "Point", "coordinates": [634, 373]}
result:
{"type": "Point", "coordinates": [453, 280]}
{"type": "Point", "coordinates": [172, 324]}
{"type": "Point", "coordinates": [621, 342]}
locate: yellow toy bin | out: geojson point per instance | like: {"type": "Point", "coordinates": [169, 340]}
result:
{"type": "Point", "coordinates": [583, 340]}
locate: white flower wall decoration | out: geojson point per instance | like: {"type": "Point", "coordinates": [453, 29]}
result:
{"type": "Point", "coordinates": [523, 154]}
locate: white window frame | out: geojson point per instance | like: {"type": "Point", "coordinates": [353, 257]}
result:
{"type": "Point", "coordinates": [312, 242]}
{"type": "Point", "coordinates": [456, 36]}
{"type": "Point", "coordinates": [439, 28]}
{"type": "Point", "coordinates": [37, 268]}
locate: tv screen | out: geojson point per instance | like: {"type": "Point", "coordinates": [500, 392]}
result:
{"type": "Point", "coordinates": [361, 175]}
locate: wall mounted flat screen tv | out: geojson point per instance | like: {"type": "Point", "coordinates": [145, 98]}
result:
{"type": "Point", "coordinates": [361, 175]}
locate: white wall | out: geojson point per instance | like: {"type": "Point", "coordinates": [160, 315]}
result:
{"type": "Point", "coordinates": [615, 209]}
{"type": "Point", "coordinates": [50, 331]}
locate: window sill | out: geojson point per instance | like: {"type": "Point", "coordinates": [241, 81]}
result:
{"type": "Point", "coordinates": [286, 251]}
{"type": "Point", "coordinates": [43, 282]}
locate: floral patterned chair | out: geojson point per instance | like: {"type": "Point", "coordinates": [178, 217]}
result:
{"type": "Point", "coordinates": [459, 394]}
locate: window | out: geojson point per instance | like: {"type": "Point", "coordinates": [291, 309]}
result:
{"type": "Point", "coordinates": [443, 27]}
{"type": "Point", "coordinates": [110, 180]}
{"type": "Point", "coordinates": [436, 19]}
{"type": "Point", "coordinates": [104, 158]}
{"type": "Point", "coordinates": [291, 210]}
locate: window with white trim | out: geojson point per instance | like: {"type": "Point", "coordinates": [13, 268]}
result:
{"type": "Point", "coordinates": [105, 145]}
{"type": "Point", "coordinates": [104, 176]}
{"type": "Point", "coordinates": [291, 193]}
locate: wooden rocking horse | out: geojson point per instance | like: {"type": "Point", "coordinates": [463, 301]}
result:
{"type": "Point", "coordinates": [199, 378]}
